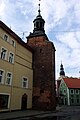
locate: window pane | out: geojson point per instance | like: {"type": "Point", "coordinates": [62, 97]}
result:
{"type": "Point", "coordinates": [3, 53]}
{"type": "Point", "coordinates": [9, 78]}
{"type": "Point", "coordinates": [71, 91]}
{"type": "Point", "coordinates": [4, 101]}
{"type": "Point", "coordinates": [1, 76]}
{"type": "Point", "coordinates": [5, 37]}
{"type": "Point", "coordinates": [13, 43]}
{"type": "Point", "coordinates": [8, 81]}
{"type": "Point", "coordinates": [11, 58]}
{"type": "Point", "coordinates": [72, 100]}
{"type": "Point", "coordinates": [24, 83]}
{"type": "Point", "coordinates": [77, 91]}
{"type": "Point", "coordinates": [77, 100]}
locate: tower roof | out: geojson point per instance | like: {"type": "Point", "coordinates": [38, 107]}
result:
{"type": "Point", "coordinates": [39, 23]}
{"type": "Point", "coordinates": [62, 73]}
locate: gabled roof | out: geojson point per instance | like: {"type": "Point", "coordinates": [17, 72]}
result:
{"type": "Point", "coordinates": [15, 36]}
{"type": "Point", "coordinates": [72, 82]}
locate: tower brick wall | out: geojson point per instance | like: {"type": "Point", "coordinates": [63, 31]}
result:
{"type": "Point", "coordinates": [43, 72]}
{"type": "Point", "coordinates": [44, 95]}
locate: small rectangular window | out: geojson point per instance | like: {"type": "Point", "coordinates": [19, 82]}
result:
{"type": "Point", "coordinates": [77, 100]}
{"type": "Point", "coordinates": [4, 101]}
{"type": "Point", "coordinates": [9, 78]}
{"type": "Point", "coordinates": [24, 82]}
{"type": "Point", "coordinates": [1, 76]}
{"type": "Point", "coordinates": [3, 53]}
{"type": "Point", "coordinates": [77, 91]}
{"type": "Point", "coordinates": [72, 100]}
{"type": "Point", "coordinates": [72, 91]}
{"type": "Point", "coordinates": [5, 37]}
{"type": "Point", "coordinates": [13, 43]}
{"type": "Point", "coordinates": [11, 57]}
{"type": "Point", "coordinates": [64, 91]}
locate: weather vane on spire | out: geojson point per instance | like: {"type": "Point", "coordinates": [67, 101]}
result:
{"type": "Point", "coordinates": [39, 7]}
{"type": "Point", "coordinates": [39, 0]}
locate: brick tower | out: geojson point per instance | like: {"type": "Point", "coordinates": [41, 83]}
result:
{"type": "Point", "coordinates": [44, 97]}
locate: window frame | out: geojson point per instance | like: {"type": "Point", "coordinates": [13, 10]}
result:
{"type": "Point", "coordinates": [10, 83]}
{"type": "Point", "coordinates": [12, 61]}
{"type": "Point", "coordinates": [77, 92]}
{"type": "Point", "coordinates": [8, 104]}
{"type": "Point", "coordinates": [13, 42]}
{"type": "Point", "coordinates": [25, 82]}
{"type": "Point", "coordinates": [72, 100]}
{"type": "Point", "coordinates": [6, 36]}
{"type": "Point", "coordinates": [77, 100]}
{"type": "Point", "coordinates": [3, 58]}
{"type": "Point", "coordinates": [2, 81]}
{"type": "Point", "coordinates": [64, 91]}
{"type": "Point", "coordinates": [71, 92]}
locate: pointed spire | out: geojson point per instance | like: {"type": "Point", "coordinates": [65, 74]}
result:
{"type": "Point", "coordinates": [39, 23]}
{"type": "Point", "coordinates": [39, 10]}
{"type": "Point", "coordinates": [62, 73]}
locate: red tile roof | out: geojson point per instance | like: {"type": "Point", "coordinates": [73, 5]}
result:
{"type": "Point", "coordinates": [72, 82]}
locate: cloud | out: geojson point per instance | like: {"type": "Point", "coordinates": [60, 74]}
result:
{"type": "Point", "coordinates": [69, 39]}
{"type": "Point", "coordinates": [68, 50]}
{"type": "Point", "coordinates": [2, 9]}
{"type": "Point", "coordinates": [61, 17]}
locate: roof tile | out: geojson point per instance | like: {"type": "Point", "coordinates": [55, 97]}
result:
{"type": "Point", "coordinates": [72, 82]}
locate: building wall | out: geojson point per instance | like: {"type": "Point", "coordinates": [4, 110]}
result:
{"type": "Point", "coordinates": [44, 73]}
{"type": "Point", "coordinates": [63, 93]}
{"type": "Point", "coordinates": [69, 96]}
{"type": "Point", "coordinates": [20, 68]}
{"type": "Point", "coordinates": [74, 96]}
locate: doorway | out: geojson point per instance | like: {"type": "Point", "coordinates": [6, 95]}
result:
{"type": "Point", "coordinates": [24, 102]}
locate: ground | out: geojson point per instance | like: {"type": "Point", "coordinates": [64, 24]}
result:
{"type": "Point", "coordinates": [62, 113]}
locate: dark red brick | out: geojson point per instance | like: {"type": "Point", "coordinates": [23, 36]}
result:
{"type": "Point", "coordinates": [44, 96]}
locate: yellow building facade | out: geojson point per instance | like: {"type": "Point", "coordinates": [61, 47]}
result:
{"type": "Point", "coordinates": [16, 73]}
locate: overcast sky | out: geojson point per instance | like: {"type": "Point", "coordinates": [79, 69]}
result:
{"type": "Point", "coordinates": [62, 26]}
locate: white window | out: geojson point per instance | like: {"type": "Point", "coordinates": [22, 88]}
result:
{"type": "Point", "coordinates": [24, 82]}
{"type": "Point", "coordinates": [9, 78]}
{"type": "Point", "coordinates": [1, 76]}
{"type": "Point", "coordinates": [5, 37]}
{"type": "Point", "coordinates": [64, 91]}
{"type": "Point", "coordinates": [13, 43]}
{"type": "Point", "coordinates": [3, 53]}
{"type": "Point", "coordinates": [11, 57]}
{"type": "Point", "coordinates": [72, 91]}
{"type": "Point", "coordinates": [77, 91]}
